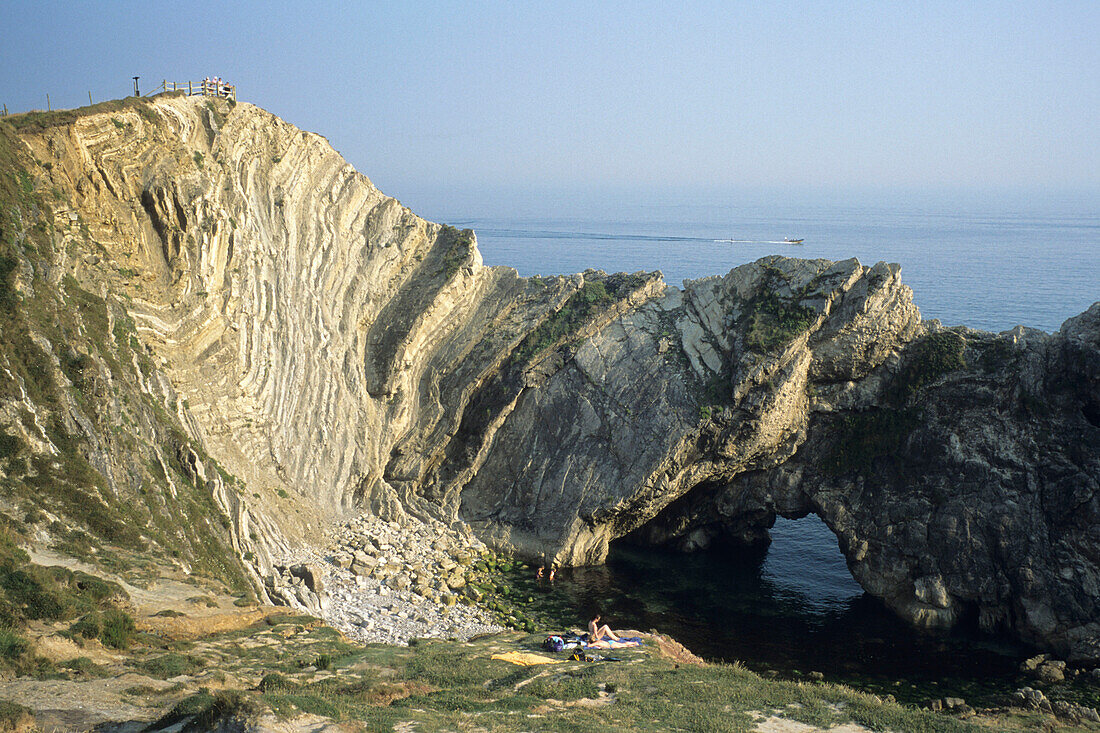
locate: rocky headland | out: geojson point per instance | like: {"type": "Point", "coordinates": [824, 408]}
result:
{"type": "Point", "coordinates": [227, 343]}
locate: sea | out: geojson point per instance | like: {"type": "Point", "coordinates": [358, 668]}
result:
{"type": "Point", "coordinates": [990, 263]}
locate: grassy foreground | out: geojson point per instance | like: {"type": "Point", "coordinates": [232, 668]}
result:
{"type": "Point", "coordinates": [201, 661]}
{"type": "Point", "coordinates": [289, 666]}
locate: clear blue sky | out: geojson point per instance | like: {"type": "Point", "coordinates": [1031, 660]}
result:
{"type": "Point", "coordinates": [449, 95]}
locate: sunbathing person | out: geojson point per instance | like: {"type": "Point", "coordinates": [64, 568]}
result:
{"type": "Point", "coordinates": [597, 632]}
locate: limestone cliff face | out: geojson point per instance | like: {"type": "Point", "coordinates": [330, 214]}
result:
{"type": "Point", "coordinates": [324, 339]}
{"type": "Point", "coordinates": [334, 351]}
{"type": "Point", "coordinates": [686, 392]}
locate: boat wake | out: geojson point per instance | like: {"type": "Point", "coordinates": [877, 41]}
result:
{"type": "Point", "coordinates": [758, 241]}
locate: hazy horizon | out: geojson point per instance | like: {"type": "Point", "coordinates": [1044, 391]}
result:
{"type": "Point", "coordinates": [437, 102]}
{"type": "Point", "coordinates": [446, 204]}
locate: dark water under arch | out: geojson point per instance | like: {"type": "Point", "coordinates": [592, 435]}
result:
{"type": "Point", "coordinates": [787, 609]}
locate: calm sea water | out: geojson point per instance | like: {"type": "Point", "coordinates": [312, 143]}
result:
{"type": "Point", "coordinates": [794, 607]}
{"type": "Point", "coordinates": [985, 269]}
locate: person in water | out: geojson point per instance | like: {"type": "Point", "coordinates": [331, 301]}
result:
{"type": "Point", "coordinates": [597, 632]}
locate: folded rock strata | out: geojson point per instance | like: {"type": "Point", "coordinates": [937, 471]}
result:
{"type": "Point", "coordinates": [337, 352]}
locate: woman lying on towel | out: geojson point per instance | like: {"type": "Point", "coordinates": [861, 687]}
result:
{"type": "Point", "coordinates": [614, 643]}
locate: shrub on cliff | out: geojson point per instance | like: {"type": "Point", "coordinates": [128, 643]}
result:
{"type": "Point", "coordinates": [775, 321]}
{"type": "Point", "coordinates": [925, 361]}
{"type": "Point", "coordinates": [566, 321]}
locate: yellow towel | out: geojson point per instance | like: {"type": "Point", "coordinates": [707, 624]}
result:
{"type": "Point", "coordinates": [525, 659]}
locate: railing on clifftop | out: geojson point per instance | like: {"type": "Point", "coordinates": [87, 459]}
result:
{"type": "Point", "coordinates": [207, 87]}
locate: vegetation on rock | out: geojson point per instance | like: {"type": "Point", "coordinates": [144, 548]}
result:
{"type": "Point", "coordinates": [74, 370]}
{"type": "Point", "coordinates": [32, 593]}
{"type": "Point", "coordinates": [927, 360]}
{"type": "Point", "coordinates": [772, 321]}
{"type": "Point", "coordinates": [567, 320]}
{"type": "Point", "coordinates": [460, 245]}
{"type": "Point", "coordinates": [861, 438]}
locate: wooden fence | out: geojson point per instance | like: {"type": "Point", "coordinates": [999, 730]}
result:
{"type": "Point", "coordinates": [206, 87]}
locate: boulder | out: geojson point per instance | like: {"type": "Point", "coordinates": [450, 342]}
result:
{"type": "Point", "coordinates": [311, 575]}
{"type": "Point", "coordinates": [1032, 663]}
{"type": "Point", "coordinates": [1050, 673]}
{"type": "Point", "coordinates": [1031, 699]}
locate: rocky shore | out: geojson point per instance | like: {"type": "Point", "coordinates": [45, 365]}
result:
{"type": "Point", "coordinates": [380, 581]}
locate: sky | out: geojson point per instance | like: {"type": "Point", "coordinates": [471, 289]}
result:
{"type": "Point", "coordinates": [430, 97]}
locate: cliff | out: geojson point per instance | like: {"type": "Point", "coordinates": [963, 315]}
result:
{"type": "Point", "coordinates": [306, 346]}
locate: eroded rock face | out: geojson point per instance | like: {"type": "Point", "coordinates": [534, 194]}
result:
{"type": "Point", "coordinates": [631, 423]}
{"type": "Point", "coordinates": [324, 340]}
{"type": "Point", "coordinates": [959, 476]}
{"type": "Point", "coordinates": [335, 351]}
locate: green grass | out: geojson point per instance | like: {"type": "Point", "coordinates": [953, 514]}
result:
{"type": "Point", "coordinates": [12, 714]}
{"type": "Point", "coordinates": [189, 707]}
{"type": "Point", "coordinates": [38, 121]}
{"type": "Point", "coordinates": [30, 592]}
{"type": "Point", "coordinates": [171, 665]}
{"type": "Point", "coordinates": [118, 629]}
{"type": "Point", "coordinates": [85, 668]}
{"type": "Point", "coordinates": [438, 685]}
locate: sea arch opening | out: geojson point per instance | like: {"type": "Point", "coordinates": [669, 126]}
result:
{"type": "Point", "coordinates": [774, 594]}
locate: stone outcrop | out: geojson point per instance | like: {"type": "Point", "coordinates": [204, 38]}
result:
{"type": "Point", "coordinates": [333, 351]}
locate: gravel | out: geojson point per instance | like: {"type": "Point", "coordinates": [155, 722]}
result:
{"type": "Point", "coordinates": [409, 593]}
